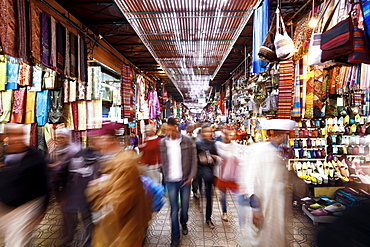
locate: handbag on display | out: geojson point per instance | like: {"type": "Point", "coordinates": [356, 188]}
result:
{"type": "Point", "coordinates": [337, 42]}
{"type": "Point", "coordinates": [314, 50]}
{"type": "Point", "coordinates": [365, 5]}
{"type": "Point", "coordinates": [284, 45]}
{"type": "Point", "coordinates": [361, 51]}
{"type": "Point", "coordinates": [267, 51]}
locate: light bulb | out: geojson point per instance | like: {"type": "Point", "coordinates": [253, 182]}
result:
{"type": "Point", "coordinates": [313, 22]}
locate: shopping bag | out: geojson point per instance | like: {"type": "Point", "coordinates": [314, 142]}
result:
{"type": "Point", "coordinates": [284, 45]}
{"type": "Point", "coordinates": [338, 41]}
{"type": "Point", "coordinates": [361, 52]}
{"type": "Point", "coordinates": [267, 51]}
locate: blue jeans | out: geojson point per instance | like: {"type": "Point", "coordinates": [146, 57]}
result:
{"type": "Point", "coordinates": [243, 204]}
{"type": "Point", "coordinates": [173, 194]}
{"type": "Point", "coordinates": [223, 201]}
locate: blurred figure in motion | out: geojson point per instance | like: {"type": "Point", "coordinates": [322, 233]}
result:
{"type": "Point", "coordinates": [162, 130]}
{"type": "Point", "coordinates": [121, 210]}
{"type": "Point", "coordinates": [65, 150]}
{"type": "Point", "coordinates": [78, 172]}
{"type": "Point", "coordinates": [150, 158]}
{"type": "Point", "coordinates": [350, 230]}
{"type": "Point", "coordinates": [226, 172]}
{"type": "Point", "coordinates": [23, 188]}
{"type": "Point", "coordinates": [179, 167]}
{"type": "Point", "coordinates": [263, 179]}
{"type": "Point", "coordinates": [134, 140]}
{"type": "Point", "coordinates": [207, 158]}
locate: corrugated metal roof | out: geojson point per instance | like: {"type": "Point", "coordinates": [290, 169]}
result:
{"type": "Point", "coordinates": [190, 39]}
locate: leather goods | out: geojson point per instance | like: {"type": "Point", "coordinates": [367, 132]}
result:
{"type": "Point", "coordinates": [267, 51]}
{"type": "Point", "coordinates": [338, 41]}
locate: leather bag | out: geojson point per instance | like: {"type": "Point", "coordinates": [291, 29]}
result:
{"type": "Point", "coordinates": [338, 41]}
{"type": "Point", "coordinates": [284, 45]}
{"type": "Point", "coordinates": [267, 51]}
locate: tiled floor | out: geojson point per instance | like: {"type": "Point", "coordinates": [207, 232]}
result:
{"type": "Point", "coordinates": [225, 234]}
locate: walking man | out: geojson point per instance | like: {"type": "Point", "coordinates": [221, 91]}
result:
{"type": "Point", "coordinates": [179, 166]}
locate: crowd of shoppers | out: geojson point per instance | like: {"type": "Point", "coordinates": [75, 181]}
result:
{"type": "Point", "coordinates": [101, 186]}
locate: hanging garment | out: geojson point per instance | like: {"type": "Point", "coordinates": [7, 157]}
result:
{"type": "Point", "coordinates": [154, 109]}
{"type": "Point", "coordinates": [13, 72]}
{"type": "Point", "coordinates": [309, 92]}
{"type": "Point", "coordinates": [72, 91]}
{"type": "Point", "coordinates": [74, 56]}
{"type": "Point", "coordinates": [8, 24]}
{"type": "Point", "coordinates": [33, 135]}
{"type": "Point", "coordinates": [50, 138]}
{"type": "Point", "coordinates": [81, 93]}
{"type": "Point", "coordinates": [19, 105]}
{"type": "Point", "coordinates": [3, 72]}
{"type": "Point", "coordinates": [68, 117]}
{"type": "Point", "coordinates": [317, 88]}
{"type": "Point", "coordinates": [61, 47]}
{"type": "Point", "coordinates": [127, 92]}
{"type": "Point", "coordinates": [82, 60]}
{"type": "Point", "coordinates": [35, 14]}
{"type": "Point", "coordinates": [93, 86]}
{"type": "Point", "coordinates": [75, 115]}
{"type": "Point", "coordinates": [49, 79]}
{"type": "Point", "coordinates": [30, 108]}
{"type": "Point", "coordinates": [24, 78]}
{"type": "Point", "coordinates": [7, 100]}
{"type": "Point", "coordinates": [41, 144]}
{"type": "Point", "coordinates": [45, 39]}
{"type": "Point", "coordinates": [36, 78]}
{"type": "Point", "coordinates": [56, 107]}
{"type": "Point", "coordinates": [53, 43]}
{"type": "Point", "coordinates": [23, 31]}
{"type": "Point", "coordinates": [42, 107]}
{"type": "Point", "coordinates": [66, 90]}
{"type": "Point", "coordinates": [260, 29]}
{"type": "Point", "coordinates": [67, 62]}
{"type": "Point", "coordinates": [82, 114]}
{"type": "Point", "coordinates": [285, 89]}
{"type": "Point", "coordinates": [94, 114]}
{"type": "Point", "coordinates": [296, 112]}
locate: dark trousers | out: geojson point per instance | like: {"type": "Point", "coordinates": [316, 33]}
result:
{"type": "Point", "coordinates": [205, 174]}
{"type": "Point", "coordinates": [71, 221]}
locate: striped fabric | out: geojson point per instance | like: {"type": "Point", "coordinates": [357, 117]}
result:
{"type": "Point", "coordinates": [296, 112]}
{"type": "Point", "coordinates": [286, 81]}
{"type": "Point", "coordinates": [127, 92]}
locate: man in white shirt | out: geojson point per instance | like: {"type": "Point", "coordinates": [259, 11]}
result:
{"type": "Point", "coordinates": [179, 164]}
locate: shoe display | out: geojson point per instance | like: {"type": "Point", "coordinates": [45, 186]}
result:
{"type": "Point", "coordinates": [210, 224]}
{"type": "Point", "coordinates": [224, 217]}
{"type": "Point", "coordinates": [320, 212]}
{"type": "Point", "coordinates": [337, 207]}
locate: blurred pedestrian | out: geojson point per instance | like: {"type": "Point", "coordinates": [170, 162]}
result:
{"type": "Point", "coordinates": [23, 188]}
{"type": "Point", "coordinates": [133, 140]}
{"type": "Point", "coordinates": [121, 209]}
{"type": "Point", "coordinates": [179, 165]}
{"type": "Point", "coordinates": [226, 171]}
{"type": "Point", "coordinates": [78, 172]}
{"type": "Point", "coordinates": [150, 157]}
{"type": "Point", "coordinates": [207, 157]}
{"type": "Point", "coordinates": [263, 179]}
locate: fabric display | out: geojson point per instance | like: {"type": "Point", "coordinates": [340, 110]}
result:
{"type": "Point", "coordinates": [286, 82]}
{"type": "Point", "coordinates": [127, 92]}
{"type": "Point", "coordinates": [12, 73]}
{"type": "Point", "coordinates": [23, 29]}
{"type": "Point", "coordinates": [8, 31]}
{"type": "Point", "coordinates": [260, 29]}
{"type": "Point", "coordinates": [154, 108]}
{"type": "Point", "coordinates": [19, 105]}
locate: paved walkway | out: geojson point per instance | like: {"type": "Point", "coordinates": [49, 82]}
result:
{"type": "Point", "coordinates": [226, 234]}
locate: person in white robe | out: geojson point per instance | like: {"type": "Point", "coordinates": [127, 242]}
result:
{"type": "Point", "coordinates": [263, 180]}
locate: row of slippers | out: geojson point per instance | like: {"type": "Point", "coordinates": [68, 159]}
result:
{"type": "Point", "coordinates": [321, 172]}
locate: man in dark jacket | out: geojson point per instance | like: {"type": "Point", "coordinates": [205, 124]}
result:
{"type": "Point", "coordinates": [179, 166]}
{"type": "Point", "coordinates": [207, 157]}
{"type": "Point", "coordinates": [76, 174]}
{"type": "Point", "coordinates": [23, 188]}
